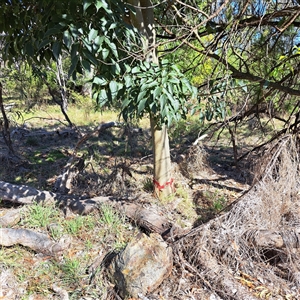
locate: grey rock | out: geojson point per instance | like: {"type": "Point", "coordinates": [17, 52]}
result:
{"type": "Point", "coordinates": [142, 266]}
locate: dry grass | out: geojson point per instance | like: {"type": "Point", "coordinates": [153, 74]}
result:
{"type": "Point", "coordinates": [271, 205]}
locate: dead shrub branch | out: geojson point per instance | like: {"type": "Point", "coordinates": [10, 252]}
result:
{"type": "Point", "coordinates": [258, 237]}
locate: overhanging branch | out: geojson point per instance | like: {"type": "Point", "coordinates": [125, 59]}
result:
{"type": "Point", "coordinates": [254, 78]}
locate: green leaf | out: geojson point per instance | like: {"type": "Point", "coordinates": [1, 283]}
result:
{"type": "Point", "coordinates": [93, 34]}
{"type": "Point", "coordinates": [86, 4]}
{"type": "Point", "coordinates": [162, 101]}
{"type": "Point", "coordinates": [149, 86]}
{"type": "Point", "coordinates": [114, 88]}
{"type": "Point", "coordinates": [102, 4]}
{"type": "Point", "coordinates": [128, 81]}
{"type": "Point", "coordinates": [174, 80]}
{"type": "Point", "coordinates": [74, 50]}
{"type": "Point", "coordinates": [95, 95]}
{"type": "Point", "coordinates": [112, 47]}
{"type": "Point", "coordinates": [141, 96]}
{"type": "Point", "coordinates": [73, 67]}
{"type": "Point", "coordinates": [67, 38]}
{"type": "Point", "coordinates": [53, 31]}
{"type": "Point", "coordinates": [98, 41]}
{"type": "Point", "coordinates": [126, 103]}
{"type": "Point", "coordinates": [43, 44]}
{"type": "Point", "coordinates": [164, 62]}
{"type": "Point", "coordinates": [201, 116]}
{"type": "Point", "coordinates": [56, 49]}
{"type": "Point", "coordinates": [86, 65]}
{"type": "Point", "coordinates": [101, 81]}
{"type": "Point", "coordinates": [209, 115]}
{"type": "Point", "coordinates": [157, 92]}
{"type": "Point", "coordinates": [75, 31]}
{"type": "Point", "coordinates": [176, 105]}
{"type": "Point", "coordinates": [29, 48]}
{"type": "Point", "coordinates": [104, 53]}
{"type": "Point", "coordinates": [90, 57]}
{"type": "Point", "coordinates": [169, 95]}
{"type": "Point", "coordinates": [135, 70]}
{"type": "Point", "coordinates": [141, 105]}
{"type": "Point", "coordinates": [193, 111]}
{"type": "Point", "coordinates": [170, 117]}
{"type": "Point", "coordinates": [102, 97]}
{"type": "Point", "coordinates": [87, 44]}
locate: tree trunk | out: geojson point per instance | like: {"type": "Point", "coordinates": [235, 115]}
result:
{"type": "Point", "coordinates": [62, 84]}
{"type": "Point", "coordinates": [5, 125]}
{"type": "Point", "coordinates": [163, 181]}
{"type": "Point", "coordinates": [144, 21]}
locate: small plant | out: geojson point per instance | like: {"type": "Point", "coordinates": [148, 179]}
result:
{"type": "Point", "coordinates": [41, 278]}
{"type": "Point", "coordinates": [118, 246]}
{"type": "Point", "coordinates": [56, 231]}
{"type": "Point", "coordinates": [219, 203]}
{"type": "Point", "coordinates": [71, 271]}
{"type": "Point", "coordinates": [79, 223]}
{"type": "Point", "coordinates": [40, 216]}
{"type": "Point", "coordinates": [109, 216]}
{"type": "Point", "coordinates": [148, 185]}
{"type": "Point", "coordinates": [73, 226]}
{"type": "Point", "coordinates": [186, 205]}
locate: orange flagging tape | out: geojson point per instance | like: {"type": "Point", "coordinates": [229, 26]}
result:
{"type": "Point", "coordinates": [161, 187]}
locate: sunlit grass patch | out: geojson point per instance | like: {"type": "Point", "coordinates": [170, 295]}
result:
{"type": "Point", "coordinates": [40, 216]}
{"type": "Point", "coordinates": [79, 224]}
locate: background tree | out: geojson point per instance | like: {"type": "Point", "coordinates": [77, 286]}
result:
{"type": "Point", "coordinates": [122, 54]}
{"type": "Point", "coordinates": [248, 51]}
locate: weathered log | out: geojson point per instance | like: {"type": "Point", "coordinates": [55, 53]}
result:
{"type": "Point", "coordinates": [23, 194]}
{"type": "Point", "coordinates": [100, 128]}
{"type": "Point", "coordinates": [22, 133]}
{"type": "Point", "coordinates": [148, 219]}
{"type": "Point", "coordinates": [37, 241]}
{"type": "Point", "coordinates": [274, 239]}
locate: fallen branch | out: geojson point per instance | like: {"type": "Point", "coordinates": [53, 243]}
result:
{"type": "Point", "coordinates": [147, 219]}
{"type": "Point", "coordinates": [75, 164]}
{"type": "Point", "coordinates": [99, 129]}
{"type": "Point", "coordinates": [37, 241]}
{"type": "Point", "coordinates": [23, 194]}
{"type": "Point", "coordinates": [152, 221]}
{"type": "Point", "coordinates": [219, 276]}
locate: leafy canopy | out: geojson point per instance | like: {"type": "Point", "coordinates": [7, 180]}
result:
{"type": "Point", "coordinates": [97, 39]}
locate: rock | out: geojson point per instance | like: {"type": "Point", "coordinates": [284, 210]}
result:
{"type": "Point", "coordinates": [142, 265]}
